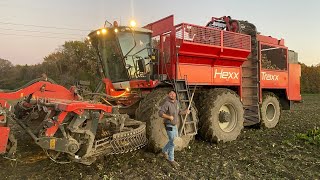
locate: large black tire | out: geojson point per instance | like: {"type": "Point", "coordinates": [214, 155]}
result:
{"type": "Point", "coordinates": [148, 112]}
{"type": "Point", "coordinates": [270, 110]}
{"type": "Point", "coordinates": [221, 115]}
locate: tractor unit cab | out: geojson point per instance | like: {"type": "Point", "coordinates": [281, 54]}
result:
{"type": "Point", "coordinates": [125, 53]}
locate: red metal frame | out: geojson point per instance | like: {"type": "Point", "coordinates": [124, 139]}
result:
{"type": "Point", "coordinates": [4, 135]}
{"type": "Point", "coordinates": [77, 107]}
{"type": "Point", "coordinates": [40, 89]}
{"type": "Point", "coordinates": [63, 99]}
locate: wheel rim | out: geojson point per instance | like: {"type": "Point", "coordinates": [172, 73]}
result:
{"type": "Point", "coordinates": [227, 117]}
{"type": "Point", "coordinates": [270, 112]}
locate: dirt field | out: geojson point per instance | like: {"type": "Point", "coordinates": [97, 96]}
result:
{"type": "Point", "coordinates": [258, 153]}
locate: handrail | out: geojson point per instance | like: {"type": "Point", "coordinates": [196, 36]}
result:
{"type": "Point", "coordinates": [210, 36]}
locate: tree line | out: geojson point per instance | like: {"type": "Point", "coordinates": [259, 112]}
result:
{"type": "Point", "coordinates": [310, 79]}
{"type": "Point", "coordinates": [73, 61]}
{"type": "Point", "coordinates": [76, 60]}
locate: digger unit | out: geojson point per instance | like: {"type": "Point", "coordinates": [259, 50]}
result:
{"type": "Point", "coordinates": [240, 77]}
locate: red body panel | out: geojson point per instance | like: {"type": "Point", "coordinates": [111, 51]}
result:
{"type": "Point", "coordinates": [273, 79]}
{"type": "Point", "coordinates": [143, 84]}
{"type": "Point", "coordinates": [270, 40]}
{"type": "Point", "coordinates": [210, 75]}
{"type": "Point", "coordinates": [4, 135]}
{"type": "Point", "coordinates": [123, 89]}
{"type": "Point", "coordinates": [161, 26]}
{"type": "Point", "coordinates": [294, 84]}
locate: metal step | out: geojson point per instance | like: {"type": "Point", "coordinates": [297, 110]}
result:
{"type": "Point", "coordinates": [255, 106]}
{"type": "Point", "coordinates": [249, 123]}
{"type": "Point", "coordinates": [253, 115]}
{"type": "Point", "coordinates": [252, 62]}
{"type": "Point", "coordinates": [193, 125]}
{"type": "Point", "coordinates": [251, 106]}
{"type": "Point", "coordinates": [191, 134]}
{"type": "Point", "coordinates": [255, 97]}
{"type": "Point", "coordinates": [253, 77]}
{"type": "Point", "coordinates": [190, 122]}
{"type": "Point", "coordinates": [251, 111]}
{"type": "Point", "coordinates": [250, 86]}
{"type": "Point", "coordinates": [250, 67]}
{"type": "Point", "coordinates": [180, 80]}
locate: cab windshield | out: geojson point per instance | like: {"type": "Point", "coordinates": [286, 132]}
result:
{"type": "Point", "coordinates": [119, 52]}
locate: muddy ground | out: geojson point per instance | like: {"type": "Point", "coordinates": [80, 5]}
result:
{"type": "Point", "coordinates": [258, 153]}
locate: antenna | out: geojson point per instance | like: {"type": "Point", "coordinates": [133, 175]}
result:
{"type": "Point", "coordinates": [132, 9]}
{"type": "Point", "coordinates": [106, 23]}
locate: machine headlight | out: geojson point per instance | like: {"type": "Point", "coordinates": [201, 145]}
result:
{"type": "Point", "coordinates": [133, 23]}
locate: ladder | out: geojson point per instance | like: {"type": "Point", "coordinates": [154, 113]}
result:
{"type": "Point", "coordinates": [250, 88]}
{"type": "Point", "coordinates": [188, 122]}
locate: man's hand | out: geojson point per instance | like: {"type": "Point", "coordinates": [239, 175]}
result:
{"type": "Point", "coordinates": [185, 112]}
{"type": "Point", "coordinates": [166, 116]}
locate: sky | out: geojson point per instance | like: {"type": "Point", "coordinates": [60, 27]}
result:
{"type": "Point", "coordinates": [31, 30]}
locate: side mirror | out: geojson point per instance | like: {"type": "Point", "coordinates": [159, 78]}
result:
{"type": "Point", "coordinates": [128, 66]}
{"type": "Point", "coordinates": [152, 53]}
{"type": "Point", "coordinates": [141, 65]}
{"type": "Point", "coordinates": [149, 49]}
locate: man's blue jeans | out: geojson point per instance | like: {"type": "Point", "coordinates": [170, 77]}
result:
{"type": "Point", "coordinates": [169, 147]}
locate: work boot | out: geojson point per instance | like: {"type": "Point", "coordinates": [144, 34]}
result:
{"type": "Point", "coordinates": [164, 155]}
{"type": "Point", "coordinates": [174, 164]}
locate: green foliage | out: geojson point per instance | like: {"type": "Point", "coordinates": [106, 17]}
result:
{"type": "Point", "coordinates": [311, 137]}
{"type": "Point", "coordinates": [75, 60]}
{"type": "Point", "coordinates": [7, 73]}
{"type": "Point", "coordinates": [310, 79]}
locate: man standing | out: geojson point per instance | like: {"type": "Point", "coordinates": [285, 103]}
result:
{"type": "Point", "coordinates": [170, 111]}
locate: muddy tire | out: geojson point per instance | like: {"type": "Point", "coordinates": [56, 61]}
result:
{"type": "Point", "coordinates": [270, 110]}
{"type": "Point", "coordinates": [221, 115]}
{"type": "Point", "coordinates": [156, 133]}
